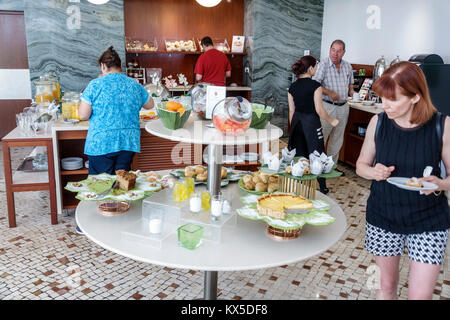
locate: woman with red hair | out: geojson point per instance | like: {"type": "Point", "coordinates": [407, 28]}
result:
{"type": "Point", "coordinates": [400, 142]}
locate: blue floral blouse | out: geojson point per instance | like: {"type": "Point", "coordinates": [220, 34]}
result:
{"type": "Point", "coordinates": [114, 123]}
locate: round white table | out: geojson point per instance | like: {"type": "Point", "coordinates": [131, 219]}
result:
{"type": "Point", "coordinates": [243, 247]}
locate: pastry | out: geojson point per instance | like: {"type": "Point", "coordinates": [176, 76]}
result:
{"type": "Point", "coordinates": [126, 180]}
{"type": "Point", "coordinates": [256, 179]}
{"type": "Point", "coordinates": [273, 205]}
{"type": "Point", "coordinates": [273, 179]}
{"type": "Point", "coordinates": [261, 187]}
{"type": "Point", "coordinates": [202, 177]}
{"type": "Point", "coordinates": [199, 170]}
{"type": "Point", "coordinates": [249, 185]}
{"type": "Point", "coordinates": [272, 187]}
{"type": "Point", "coordinates": [224, 173]}
{"type": "Point", "coordinates": [414, 182]}
{"type": "Point", "coordinates": [189, 172]}
{"type": "Point", "coordinates": [247, 178]}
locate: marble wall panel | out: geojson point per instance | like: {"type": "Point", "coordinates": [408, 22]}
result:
{"type": "Point", "coordinates": [11, 5]}
{"type": "Point", "coordinates": [282, 30]}
{"type": "Point", "coordinates": [66, 37]}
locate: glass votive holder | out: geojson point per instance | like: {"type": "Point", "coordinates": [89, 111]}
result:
{"type": "Point", "coordinates": [190, 236]}
{"type": "Point", "coordinates": [155, 221]}
{"type": "Point", "coordinates": [195, 203]}
{"type": "Point", "coordinates": [216, 207]}
{"type": "Point", "coordinates": [206, 197]}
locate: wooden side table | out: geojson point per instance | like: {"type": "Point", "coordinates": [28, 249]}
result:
{"type": "Point", "coordinates": [28, 181]}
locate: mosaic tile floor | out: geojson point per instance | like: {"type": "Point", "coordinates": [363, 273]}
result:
{"type": "Point", "coordinates": [41, 261]}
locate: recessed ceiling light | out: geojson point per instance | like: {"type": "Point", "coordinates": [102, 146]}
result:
{"type": "Point", "coordinates": [98, 1]}
{"type": "Point", "coordinates": [208, 3]}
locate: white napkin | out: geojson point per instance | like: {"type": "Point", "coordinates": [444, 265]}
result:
{"type": "Point", "coordinates": [274, 163]}
{"type": "Point", "coordinates": [288, 156]}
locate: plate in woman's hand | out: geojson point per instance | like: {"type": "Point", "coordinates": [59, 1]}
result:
{"type": "Point", "coordinates": [401, 183]}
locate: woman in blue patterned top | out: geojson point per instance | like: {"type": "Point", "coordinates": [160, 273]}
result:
{"type": "Point", "coordinates": [112, 103]}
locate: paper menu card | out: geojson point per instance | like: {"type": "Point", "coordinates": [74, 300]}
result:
{"type": "Point", "coordinates": [214, 94]}
{"type": "Point", "coordinates": [238, 44]}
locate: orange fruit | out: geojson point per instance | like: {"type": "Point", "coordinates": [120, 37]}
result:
{"type": "Point", "coordinates": [181, 111]}
{"type": "Point", "coordinates": [173, 106]}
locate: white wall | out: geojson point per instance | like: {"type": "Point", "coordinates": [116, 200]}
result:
{"type": "Point", "coordinates": [406, 27]}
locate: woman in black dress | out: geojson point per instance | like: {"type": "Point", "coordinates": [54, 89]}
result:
{"type": "Point", "coordinates": [305, 111]}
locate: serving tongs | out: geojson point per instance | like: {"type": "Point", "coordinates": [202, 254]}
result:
{"type": "Point", "coordinates": [104, 193]}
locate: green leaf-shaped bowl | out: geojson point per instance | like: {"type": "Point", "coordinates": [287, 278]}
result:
{"type": "Point", "coordinates": [172, 119]}
{"type": "Point", "coordinates": [260, 116]}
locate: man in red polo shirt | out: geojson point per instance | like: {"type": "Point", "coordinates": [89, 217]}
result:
{"type": "Point", "coordinates": [212, 66]}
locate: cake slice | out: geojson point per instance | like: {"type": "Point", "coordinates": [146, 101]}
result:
{"type": "Point", "coordinates": [414, 182]}
{"type": "Point", "coordinates": [126, 180]}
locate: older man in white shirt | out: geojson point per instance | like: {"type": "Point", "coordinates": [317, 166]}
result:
{"type": "Point", "coordinates": [336, 77]}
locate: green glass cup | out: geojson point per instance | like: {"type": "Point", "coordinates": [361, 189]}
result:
{"type": "Point", "coordinates": [190, 236]}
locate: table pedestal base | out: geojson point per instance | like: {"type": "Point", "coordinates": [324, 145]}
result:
{"type": "Point", "coordinates": [210, 286]}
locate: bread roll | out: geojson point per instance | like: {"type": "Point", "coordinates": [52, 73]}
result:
{"type": "Point", "coordinates": [249, 185]}
{"type": "Point", "coordinates": [199, 170]}
{"type": "Point", "coordinates": [201, 177]}
{"type": "Point", "coordinates": [256, 179]}
{"type": "Point", "coordinates": [189, 172]}
{"type": "Point", "coordinates": [272, 187]}
{"type": "Point", "coordinates": [261, 187]}
{"type": "Point", "coordinates": [224, 173]}
{"type": "Point", "coordinates": [247, 178]}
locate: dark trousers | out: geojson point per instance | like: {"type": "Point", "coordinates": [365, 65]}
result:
{"type": "Point", "coordinates": [306, 136]}
{"type": "Point", "coordinates": [110, 162]}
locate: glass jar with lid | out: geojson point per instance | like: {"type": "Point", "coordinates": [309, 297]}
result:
{"type": "Point", "coordinates": [232, 115]}
{"type": "Point", "coordinates": [44, 92]}
{"type": "Point", "coordinates": [198, 98]}
{"type": "Point", "coordinates": [71, 105]}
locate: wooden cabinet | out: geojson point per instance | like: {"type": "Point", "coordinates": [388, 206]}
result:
{"type": "Point", "coordinates": [352, 140]}
{"type": "Point", "coordinates": [182, 20]}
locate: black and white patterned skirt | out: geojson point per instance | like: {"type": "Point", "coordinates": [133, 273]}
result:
{"type": "Point", "coordinates": [426, 247]}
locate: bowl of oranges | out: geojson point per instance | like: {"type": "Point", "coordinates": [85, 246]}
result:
{"type": "Point", "coordinates": [173, 114]}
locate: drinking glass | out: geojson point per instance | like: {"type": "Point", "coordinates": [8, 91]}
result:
{"type": "Point", "coordinates": [216, 207]}
{"type": "Point", "coordinates": [180, 192]}
{"type": "Point", "coordinates": [205, 200]}
{"type": "Point", "coordinates": [189, 182]}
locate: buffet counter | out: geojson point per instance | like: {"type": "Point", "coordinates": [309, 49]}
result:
{"type": "Point", "coordinates": [358, 119]}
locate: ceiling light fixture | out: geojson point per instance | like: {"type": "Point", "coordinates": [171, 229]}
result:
{"type": "Point", "coordinates": [98, 1]}
{"type": "Point", "coordinates": [208, 3]}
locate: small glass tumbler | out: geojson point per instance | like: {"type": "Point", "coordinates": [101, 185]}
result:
{"type": "Point", "coordinates": [216, 207]}
{"type": "Point", "coordinates": [190, 236]}
{"type": "Point", "coordinates": [206, 197]}
{"type": "Point", "coordinates": [189, 182]}
{"type": "Point", "coordinates": [179, 192]}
